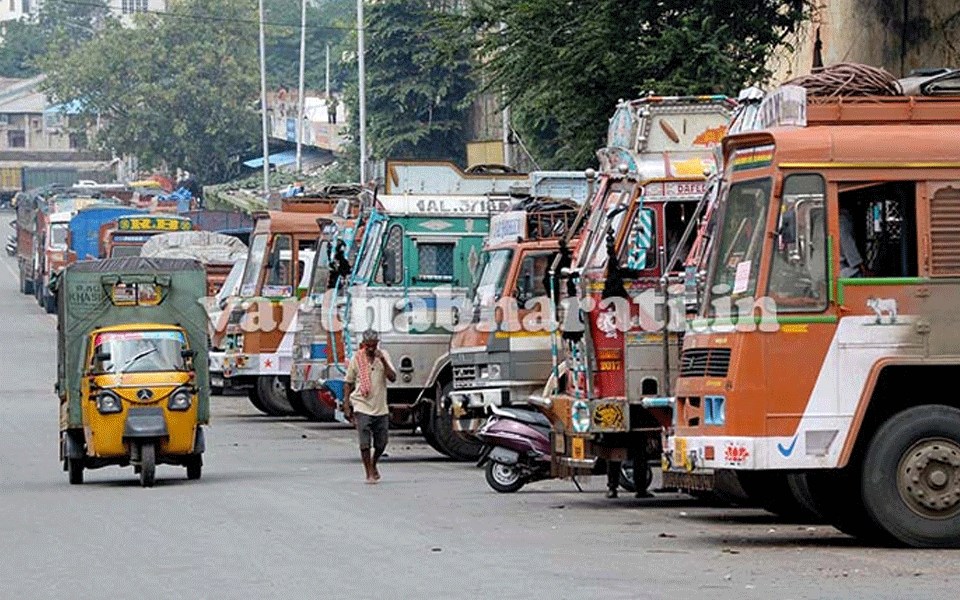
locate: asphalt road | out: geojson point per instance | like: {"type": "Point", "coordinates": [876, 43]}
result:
{"type": "Point", "coordinates": [282, 512]}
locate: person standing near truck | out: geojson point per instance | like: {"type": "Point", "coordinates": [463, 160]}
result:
{"type": "Point", "coordinates": [365, 400]}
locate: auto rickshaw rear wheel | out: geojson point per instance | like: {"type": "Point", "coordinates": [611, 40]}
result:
{"type": "Point", "coordinates": [148, 464]}
{"type": "Point", "coordinates": [194, 468]}
{"type": "Point", "coordinates": [75, 469]}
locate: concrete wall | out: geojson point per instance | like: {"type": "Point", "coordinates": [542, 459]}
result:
{"type": "Point", "coordinates": [897, 35]}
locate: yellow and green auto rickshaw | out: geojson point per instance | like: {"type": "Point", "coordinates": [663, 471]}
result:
{"type": "Point", "coordinates": [132, 369]}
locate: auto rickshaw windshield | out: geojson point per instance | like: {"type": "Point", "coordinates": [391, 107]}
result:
{"type": "Point", "coordinates": [139, 352]}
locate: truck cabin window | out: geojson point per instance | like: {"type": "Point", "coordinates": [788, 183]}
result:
{"type": "Point", "coordinates": [533, 277]}
{"type": "Point", "coordinates": [798, 270]}
{"type": "Point", "coordinates": [120, 251]}
{"type": "Point", "coordinates": [435, 261]}
{"type": "Point", "coordinates": [277, 281]}
{"type": "Point", "coordinates": [736, 264]}
{"type": "Point", "coordinates": [877, 224]}
{"type": "Point", "coordinates": [138, 352]}
{"type": "Point", "coordinates": [676, 218]}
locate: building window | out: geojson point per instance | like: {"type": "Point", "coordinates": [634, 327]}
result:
{"type": "Point", "coordinates": [133, 6]}
{"type": "Point", "coordinates": [26, 6]}
{"type": "Point", "coordinates": [16, 138]}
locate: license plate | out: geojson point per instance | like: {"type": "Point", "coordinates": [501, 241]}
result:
{"type": "Point", "coordinates": [216, 381]}
{"type": "Point", "coordinates": [576, 448]}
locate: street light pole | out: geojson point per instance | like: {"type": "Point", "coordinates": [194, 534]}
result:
{"type": "Point", "coordinates": [303, 52]}
{"type": "Point", "coordinates": [363, 93]}
{"type": "Point", "coordinates": [263, 107]}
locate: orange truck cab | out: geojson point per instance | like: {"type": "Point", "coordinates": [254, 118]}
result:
{"type": "Point", "coordinates": [830, 320]}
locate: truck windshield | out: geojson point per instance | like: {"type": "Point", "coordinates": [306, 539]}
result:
{"type": "Point", "coordinates": [231, 283]}
{"type": "Point", "coordinates": [737, 261]}
{"type": "Point", "coordinates": [493, 275]}
{"type": "Point", "coordinates": [251, 274]}
{"type": "Point", "coordinates": [58, 236]}
{"type": "Point", "coordinates": [138, 352]}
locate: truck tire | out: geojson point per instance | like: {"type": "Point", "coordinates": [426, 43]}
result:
{"type": "Point", "coordinates": [838, 495]}
{"type": "Point", "coordinates": [272, 391]}
{"type": "Point", "coordinates": [316, 409]}
{"type": "Point", "coordinates": [425, 420]}
{"type": "Point", "coordinates": [256, 402]}
{"type": "Point", "coordinates": [771, 491]}
{"type": "Point", "coordinates": [453, 444]}
{"type": "Point", "coordinates": [911, 477]}
{"type": "Point", "coordinates": [26, 285]}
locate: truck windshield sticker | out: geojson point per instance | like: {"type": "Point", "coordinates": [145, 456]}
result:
{"type": "Point", "coordinates": [742, 279]}
{"type": "Point", "coordinates": [753, 158]}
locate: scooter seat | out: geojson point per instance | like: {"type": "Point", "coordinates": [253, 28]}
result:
{"type": "Point", "coordinates": [524, 416]}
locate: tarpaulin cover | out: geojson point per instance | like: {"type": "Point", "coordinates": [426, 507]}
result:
{"type": "Point", "coordinates": [204, 246]}
{"type": "Point", "coordinates": [83, 291]}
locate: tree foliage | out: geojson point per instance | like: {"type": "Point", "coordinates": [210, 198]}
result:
{"type": "Point", "coordinates": [328, 23]}
{"type": "Point", "coordinates": [563, 65]}
{"type": "Point", "coordinates": [417, 85]}
{"type": "Point", "coordinates": [57, 28]}
{"type": "Point", "coordinates": [179, 90]}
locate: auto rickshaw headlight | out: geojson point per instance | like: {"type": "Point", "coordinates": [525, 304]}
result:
{"type": "Point", "coordinates": [108, 403]}
{"type": "Point", "coordinates": [181, 399]}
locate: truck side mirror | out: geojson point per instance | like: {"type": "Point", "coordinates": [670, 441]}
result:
{"type": "Point", "coordinates": [188, 353]}
{"type": "Point", "coordinates": [102, 357]}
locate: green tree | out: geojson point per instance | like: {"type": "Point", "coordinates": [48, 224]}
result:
{"type": "Point", "coordinates": [418, 85]}
{"type": "Point", "coordinates": [57, 28]}
{"type": "Point", "coordinates": [563, 67]}
{"type": "Point", "coordinates": [331, 22]}
{"type": "Point", "coordinates": [179, 90]}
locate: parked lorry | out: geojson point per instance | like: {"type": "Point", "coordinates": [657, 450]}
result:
{"type": "Point", "coordinates": [503, 354]}
{"type": "Point", "coordinates": [257, 343]}
{"type": "Point", "coordinates": [132, 365]}
{"type": "Point", "coordinates": [417, 255]}
{"type": "Point", "coordinates": [606, 396]}
{"type": "Point", "coordinates": [127, 234]}
{"type": "Point", "coordinates": [831, 305]}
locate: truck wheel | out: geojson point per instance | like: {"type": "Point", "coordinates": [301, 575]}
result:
{"type": "Point", "coordinates": [316, 408]}
{"type": "Point", "coordinates": [272, 393]}
{"type": "Point", "coordinates": [771, 491]}
{"type": "Point", "coordinates": [838, 495]}
{"type": "Point", "coordinates": [797, 482]}
{"type": "Point", "coordinates": [195, 467]}
{"type": "Point", "coordinates": [453, 444]}
{"type": "Point", "coordinates": [297, 402]}
{"type": "Point", "coordinates": [626, 476]}
{"type": "Point", "coordinates": [256, 402]}
{"type": "Point", "coordinates": [911, 477]}
{"type": "Point", "coordinates": [148, 464]}
{"type": "Point", "coordinates": [505, 479]}
{"type": "Point", "coordinates": [426, 426]}
{"type": "Point", "coordinates": [75, 469]}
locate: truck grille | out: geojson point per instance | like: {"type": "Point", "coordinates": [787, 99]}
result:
{"type": "Point", "coordinates": [464, 376]}
{"type": "Point", "coordinates": [705, 362]}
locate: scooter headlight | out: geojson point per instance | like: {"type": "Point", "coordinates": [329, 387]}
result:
{"type": "Point", "coordinates": [108, 403]}
{"type": "Point", "coordinates": [180, 400]}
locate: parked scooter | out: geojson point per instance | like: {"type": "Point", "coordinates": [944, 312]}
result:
{"type": "Point", "coordinates": [518, 448]}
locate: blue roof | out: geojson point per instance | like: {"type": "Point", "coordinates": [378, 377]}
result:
{"type": "Point", "coordinates": [277, 159]}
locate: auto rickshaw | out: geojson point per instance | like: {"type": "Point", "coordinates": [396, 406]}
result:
{"type": "Point", "coordinates": [133, 377]}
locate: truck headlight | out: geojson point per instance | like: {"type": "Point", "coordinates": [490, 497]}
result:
{"type": "Point", "coordinates": [180, 400]}
{"type": "Point", "coordinates": [108, 403]}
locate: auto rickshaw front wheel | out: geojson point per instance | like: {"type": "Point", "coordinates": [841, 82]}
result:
{"type": "Point", "coordinates": [75, 469]}
{"type": "Point", "coordinates": [148, 464]}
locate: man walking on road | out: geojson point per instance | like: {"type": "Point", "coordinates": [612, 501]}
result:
{"type": "Point", "coordinates": [365, 399]}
